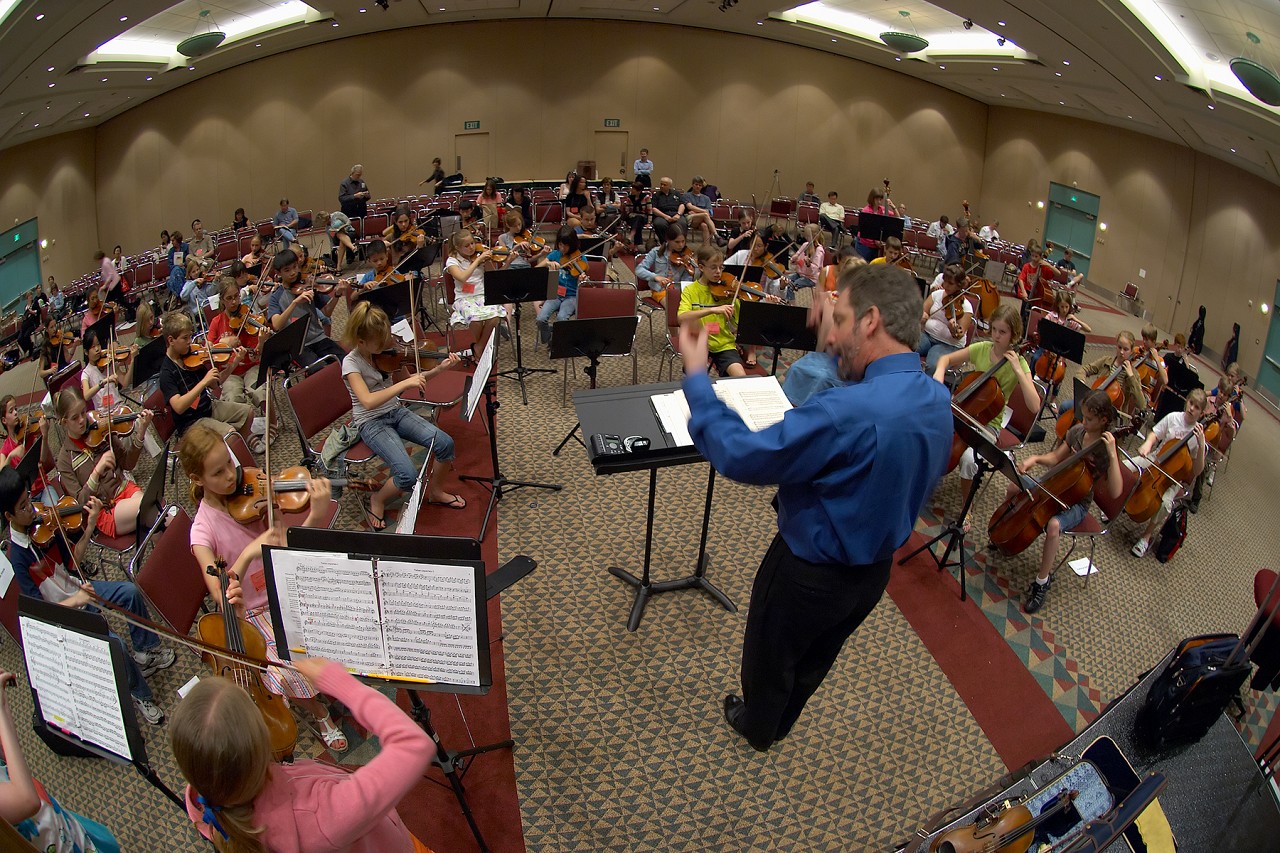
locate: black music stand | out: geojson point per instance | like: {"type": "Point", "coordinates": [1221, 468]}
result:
{"type": "Point", "coordinates": [391, 298]}
{"type": "Point", "coordinates": [750, 275]}
{"type": "Point", "coordinates": [876, 226]}
{"type": "Point", "coordinates": [529, 284]}
{"type": "Point", "coordinates": [497, 484]}
{"type": "Point", "coordinates": [283, 348]}
{"type": "Point", "coordinates": [592, 339]}
{"type": "Point", "coordinates": [1062, 341]}
{"type": "Point", "coordinates": [93, 627]}
{"type": "Point", "coordinates": [147, 363]}
{"type": "Point", "coordinates": [775, 326]}
{"type": "Point", "coordinates": [989, 458]}
{"type": "Point", "coordinates": [104, 329]}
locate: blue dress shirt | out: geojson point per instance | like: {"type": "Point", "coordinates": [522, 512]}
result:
{"type": "Point", "coordinates": [854, 465]}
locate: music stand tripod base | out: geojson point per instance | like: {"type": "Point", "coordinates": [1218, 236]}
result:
{"type": "Point", "coordinates": [645, 589]}
{"type": "Point", "coordinates": [518, 286]}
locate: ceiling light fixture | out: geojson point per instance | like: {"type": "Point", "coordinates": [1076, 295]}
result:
{"type": "Point", "coordinates": [51, 85]}
{"type": "Point", "coordinates": [1260, 80]}
{"type": "Point", "coordinates": [201, 43]}
{"type": "Point", "coordinates": [1233, 150]}
{"type": "Point", "coordinates": [1000, 40]}
{"type": "Point", "coordinates": [943, 67]}
{"type": "Point", "coordinates": [905, 42]}
{"type": "Point", "coordinates": [382, 4]}
{"type": "Point", "coordinates": [1212, 107]}
{"type": "Point", "coordinates": [148, 79]}
{"type": "Point", "coordinates": [40, 17]}
{"type": "Point", "coordinates": [1158, 78]}
{"type": "Point", "coordinates": [1062, 103]}
{"type": "Point", "coordinates": [1066, 62]}
{"type": "Point", "coordinates": [124, 18]}
{"type": "Point", "coordinates": [1000, 23]}
{"type": "Point", "coordinates": [1057, 74]}
{"type": "Point", "coordinates": [50, 68]}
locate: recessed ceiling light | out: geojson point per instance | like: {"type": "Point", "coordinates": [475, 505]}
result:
{"type": "Point", "coordinates": [1212, 107]}
{"type": "Point", "coordinates": [51, 85]}
{"type": "Point", "coordinates": [1066, 62]}
{"type": "Point", "coordinates": [124, 18]}
{"type": "Point", "coordinates": [897, 59]}
{"type": "Point", "coordinates": [259, 44]}
{"type": "Point", "coordinates": [191, 68]}
{"type": "Point", "coordinates": [1057, 74]}
{"type": "Point", "coordinates": [1158, 77]}
{"type": "Point", "coordinates": [758, 23]}
{"type": "Point", "coordinates": [1128, 116]}
{"type": "Point", "coordinates": [1062, 103]}
{"type": "Point", "coordinates": [148, 79]}
{"type": "Point", "coordinates": [1002, 94]}
{"type": "Point", "coordinates": [40, 17]}
{"type": "Point", "coordinates": [37, 124]}
{"type": "Point", "coordinates": [104, 79]}
{"type": "Point", "coordinates": [943, 67]}
{"type": "Point", "coordinates": [833, 40]}
{"type": "Point", "coordinates": [50, 68]}
{"type": "Point", "coordinates": [995, 68]}
{"type": "Point", "coordinates": [86, 115]}
{"type": "Point", "coordinates": [362, 11]}
{"type": "Point", "coordinates": [1233, 150]}
{"type": "Point", "coordinates": [1001, 23]}
{"type": "Point", "coordinates": [335, 23]}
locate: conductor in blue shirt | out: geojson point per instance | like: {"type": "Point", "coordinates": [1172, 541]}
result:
{"type": "Point", "coordinates": [853, 465]}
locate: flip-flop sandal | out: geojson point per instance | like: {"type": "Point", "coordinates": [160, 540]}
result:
{"type": "Point", "coordinates": [376, 522]}
{"type": "Point", "coordinates": [457, 503]}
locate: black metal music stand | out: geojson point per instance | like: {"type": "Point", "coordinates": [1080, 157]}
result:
{"type": "Point", "coordinates": [592, 339]}
{"type": "Point", "coordinates": [147, 363]}
{"type": "Point", "coordinates": [283, 348]}
{"type": "Point", "coordinates": [529, 284]}
{"type": "Point", "coordinates": [391, 298]}
{"type": "Point", "coordinates": [1061, 342]}
{"type": "Point", "coordinates": [775, 326]}
{"type": "Point", "coordinates": [497, 484]}
{"type": "Point", "coordinates": [989, 458]}
{"type": "Point", "coordinates": [877, 226]}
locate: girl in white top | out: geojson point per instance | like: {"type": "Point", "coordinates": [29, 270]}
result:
{"type": "Point", "coordinates": [466, 266]}
{"type": "Point", "coordinates": [102, 385]}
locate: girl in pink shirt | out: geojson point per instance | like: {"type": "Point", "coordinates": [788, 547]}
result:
{"type": "Point", "coordinates": [242, 802]}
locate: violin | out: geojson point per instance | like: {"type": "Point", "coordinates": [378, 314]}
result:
{"type": "Point", "coordinates": [685, 260]}
{"type": "Point", "coordinates": [980, 397]}
{"type": "Point", "coordinates": [229, 631]}
{"type": "Point", "coordinates": [199, 354]}
{"type": "Point", "coordinates": [100, 426]}
{"type": "Point", "coordinates": [66, 514]}
{"type": "Point", "coordinates": [1173, 465]}
{"type": "Point", "coordinates": [772, 269]}
{"type": "Point", "coordinates": [411, 237]}
{"type": "Point", "coordinates": [27, 423]}
{"type": "Point", "coordinates": [389, 361]}
{"type": "Point", "coordinates": [61, 337]}
{"type": "Point", "coordinates": [729, 288]}
{"type": "Point", "coordinates": [1009, 830]}
{"type": "Point", "coordinates": [530, 245]}
{"type": "Point", "coordinates": [248, 504]}
{"type": "Point", "coordinates": [242, 318]}
{"type": "Point", "coordinates": [576, 265]}
{"type": "Point", "coordinates": [115, 352]}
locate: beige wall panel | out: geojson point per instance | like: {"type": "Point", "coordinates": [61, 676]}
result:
{"type": "Point", "coordinates": [53, 180]}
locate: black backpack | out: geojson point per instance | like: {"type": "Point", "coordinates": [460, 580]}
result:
{"type": "Point", "coordinates": [1172, 533]}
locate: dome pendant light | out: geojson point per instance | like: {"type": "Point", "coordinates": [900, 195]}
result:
{"type": "Point", "coordinates": [1260, 80]}
{"type": "Point", "coordinates": [202, 43]}
{"type": "Point", "coordinates": [904, 42]}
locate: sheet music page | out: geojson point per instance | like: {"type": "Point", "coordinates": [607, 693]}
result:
{"type": "Point", "coordinates": [76, 684]}
{"type": "Point", "coordinates": [759, 400]}
{"type": "Point", "coordinates": [337, 608]}
{"type": "Point", "coordinates": [6, 574]}
{"type": "Point", "coordinates": [409, 516]}
{"type": "Point", "coordinates": [430, 616]}
{"type": "Point", "coordinates": [673, 414]}
{"type": "Point", "coordinates": [479, 379]}
{"type": "Point", "coordinates": [287, 592]}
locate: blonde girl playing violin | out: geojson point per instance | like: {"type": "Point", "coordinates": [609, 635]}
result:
{"type": "Point", "coordinates": [466, 265]}
{"type": "Point", "coordinates": [101, 471]}
{"type": "Point", "coordinates": [216, 535]}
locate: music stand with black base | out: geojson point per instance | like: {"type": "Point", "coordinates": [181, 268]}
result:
{"type": "Point", "coordinates": [504, 287]}
{"type": "Point", "coordinates": [989, 458]}
{"type": "Point", "coordinates": [592, 339]}
{"type": "Point", "coordinates": [391, 298]}
{"type": "Point", "coordinates": [497, 484]}
{"type": "Point", "coordinates": [1061, 342]}
{"type": "Point", "coordinates": [283, 348]}
{"type": "Point", "coordinates": [775, 326]}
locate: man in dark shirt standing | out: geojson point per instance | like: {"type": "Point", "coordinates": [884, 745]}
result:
{"type": "Point", "coordinates": [353, 195]}
{"type": "Point", "coordinates": [854, 465]}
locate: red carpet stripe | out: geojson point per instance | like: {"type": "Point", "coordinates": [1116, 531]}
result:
{"type": "Point", "coordinates": [1012, 709]}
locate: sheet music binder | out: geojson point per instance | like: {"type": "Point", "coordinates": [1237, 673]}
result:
{"type": "Point", "coordinates": [432, 634]}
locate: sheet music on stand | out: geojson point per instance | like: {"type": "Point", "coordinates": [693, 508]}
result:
{"type": "Point", "coordinates": [409, 516]}
{"type": "Point", "coordinates": [758, 400]}
{"type": "Point", "coordinates": [72, 675]}
{"type": "Point", "coordinates": [480, 379]}
{"type": "Point", "coordinates": [399, 620]}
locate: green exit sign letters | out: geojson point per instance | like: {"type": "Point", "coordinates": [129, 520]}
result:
{"type": "Point", "coordinates": [613, 122]}
{"type": "Point", "coordinates": [471, 125]}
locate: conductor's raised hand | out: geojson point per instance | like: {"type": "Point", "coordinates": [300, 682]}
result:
{"type": "Point", "coordinates": [693, 347]}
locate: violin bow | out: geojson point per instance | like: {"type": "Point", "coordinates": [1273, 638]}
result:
{"type": "Point", "coordinates": [266, 461]}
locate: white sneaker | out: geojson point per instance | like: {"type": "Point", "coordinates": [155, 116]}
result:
{"type": "Point", "coordinates": [1140, 547]}
{"type": "Point", "coordinates": [149, 711]}
{"type": "Point", "coordinates": [153, 661]}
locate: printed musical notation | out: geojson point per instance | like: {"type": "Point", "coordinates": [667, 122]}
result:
{"type": "Point", "coordinates": [758, 400]}
{"type": "Point", "coordinates": [73, 676]}
{"type": "Point", "coordinates": [389, 618]}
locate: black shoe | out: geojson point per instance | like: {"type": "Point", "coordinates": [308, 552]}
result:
{"type": "Point", "coordinates": [1194, 506]}
{"type": "Point", "coordinates": [1036, 594]}
{"type": "Point", "coordinates": [734, 708]}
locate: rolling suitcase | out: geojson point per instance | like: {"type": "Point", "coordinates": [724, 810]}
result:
{"type": "Point", "coordinates": [1205, 675]}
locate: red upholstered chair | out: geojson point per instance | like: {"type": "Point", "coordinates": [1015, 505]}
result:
{"type": "Point", "coordinates": [170, 577]}
{"type": "Point", "coordinates": [1091, 527]}
{"type": "Point", "coordinates": [9, 605]}
{"type": "Point", "coordinates": [316, 400]}
{"type": "Point", "coordinates": [1014, 434]}
{"type": "Point", "coordinates": [594, 302]}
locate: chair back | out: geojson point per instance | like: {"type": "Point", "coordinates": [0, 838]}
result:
{"type": "Point", "coordinates": [163, 420]}
{"type": "Point", "coordinates": [1023, 417]}
{"type": "Point", "coordinates": [596, 302]}
{"type": "Point", "coordinates": [374, 225]}
{"type": "Point", "coordinates": [9, 606]}
{"type": "Point", "coordinates": [170, 576]}
{"type": "Point", "coordinates": [1129, 479]}
{"type": "Point", "coordinates": [318, 400]}
{"type": "Point", "coordinates": [672, 304]}
{"type": "Point", "coordinates": [595, 270]}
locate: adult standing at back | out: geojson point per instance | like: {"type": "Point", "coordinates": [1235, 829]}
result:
{"type": "Point", "coordinates": [643, 169]}
{"type": "Point", "coordinates": [854, 465]}
{"type": "Point", "coordinates": [353, 194]}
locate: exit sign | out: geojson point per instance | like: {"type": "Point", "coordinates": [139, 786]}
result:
{"type": "Point", "coordinates": [613, 122]}
{"type": "Point", "coordinates": [471, 125]}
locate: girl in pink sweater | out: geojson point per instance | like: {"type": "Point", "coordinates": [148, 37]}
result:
{"type": "Point", "coordinates": [243, 802]}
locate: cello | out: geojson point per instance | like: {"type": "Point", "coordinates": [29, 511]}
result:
{"type": "Point", "coordinates": [1173, 465]}
{"type": "Point", "coordinates": [980, 397]}
{"type": "Point", "coordinates": [1021, 519]}
{"type": "Point", "coordinates": [1113, 389]}
{"type": "Point", "coordinates": [237, 635]}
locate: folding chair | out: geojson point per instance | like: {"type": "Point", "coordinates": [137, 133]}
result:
{"type": "Point", "coordinates": [170, 577]}
{"type": "Point", "coordinates": [596, 302]}
{"type": "Point", "coordinates": [671, 351]}
{"type": "Point", "coordinates": [317, 398]}
{"type": "Point", "coordinates": [1014, 435]}
{"type": "Point", "coordinates": [1091, 528]}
